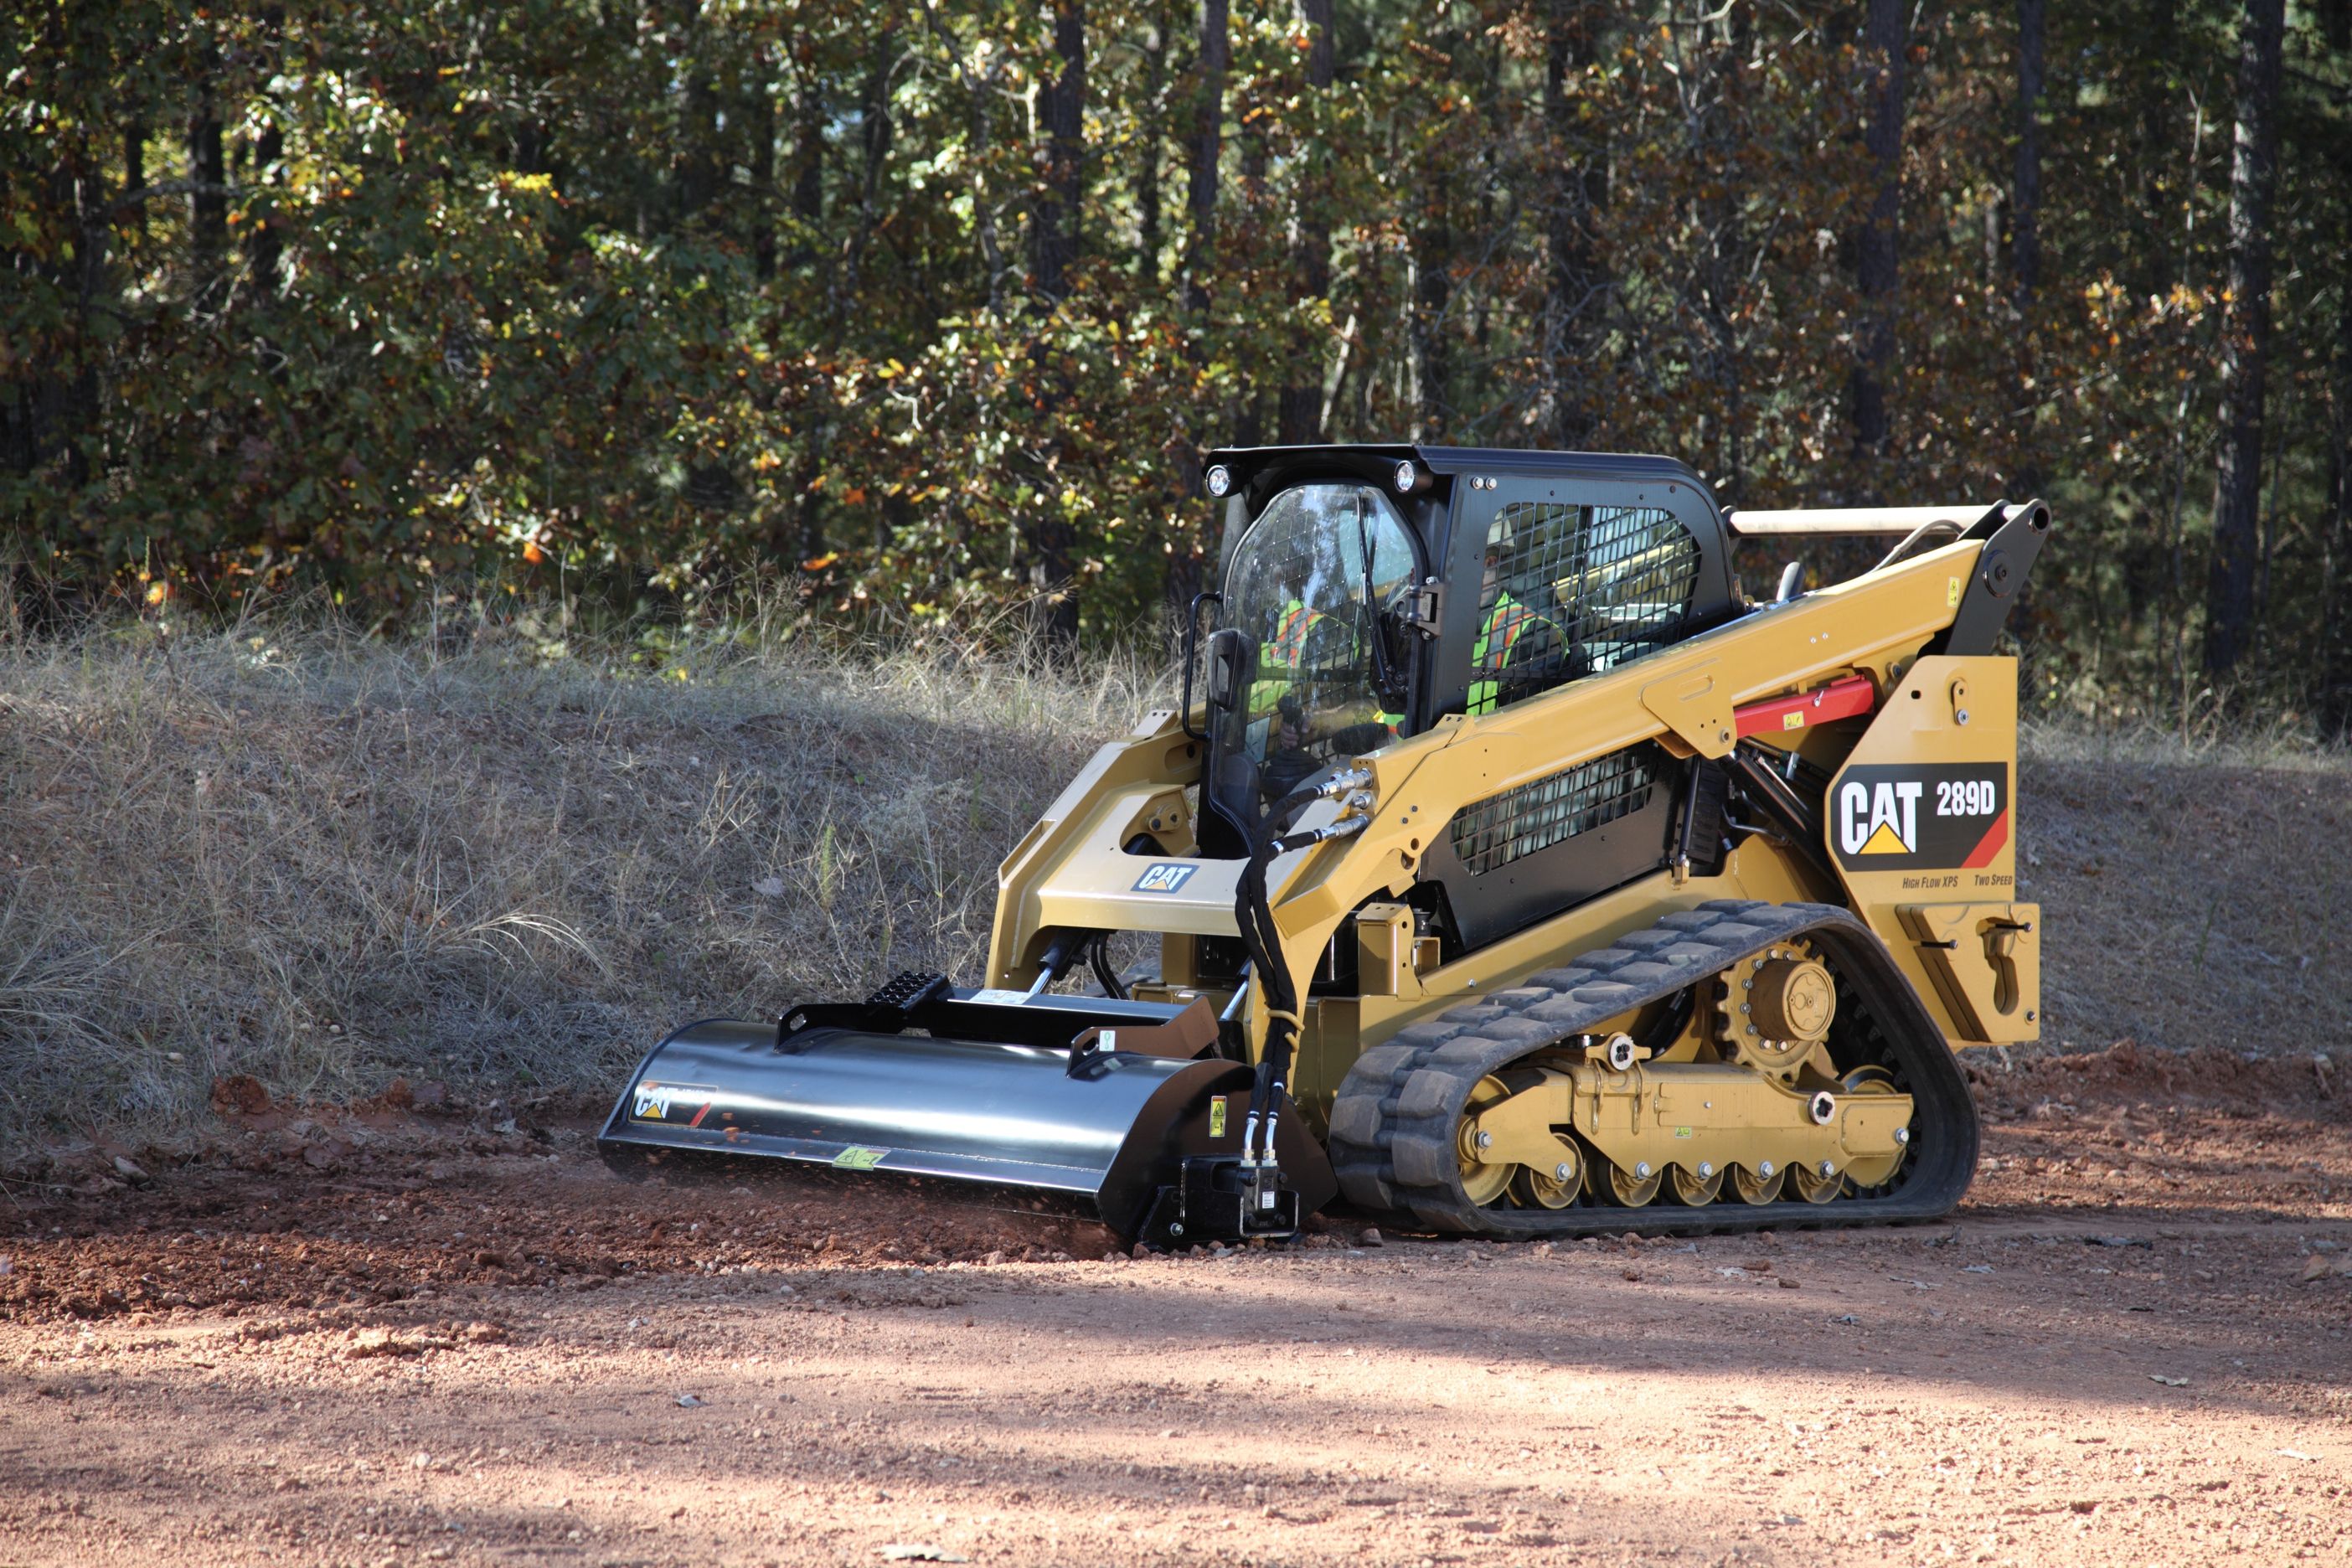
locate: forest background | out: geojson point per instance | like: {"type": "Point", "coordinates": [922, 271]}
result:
{"type": "Point", "coordinates": [901, 315]}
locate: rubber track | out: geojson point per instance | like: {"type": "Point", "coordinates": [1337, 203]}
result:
{"type": "Point", "coordinates": [1394, 1122]}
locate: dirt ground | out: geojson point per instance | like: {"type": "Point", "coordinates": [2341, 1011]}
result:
{"type": "Point", "coordinates": [411, 1334]}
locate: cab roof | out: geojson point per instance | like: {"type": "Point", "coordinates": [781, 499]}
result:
{"type": "Point", "coordinates": [1258, 470]}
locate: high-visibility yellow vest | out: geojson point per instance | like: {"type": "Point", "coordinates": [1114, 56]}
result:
{"type": "Point", "coordinates": [1289, 643]}
{"type": "Point", "coordinates": [1283, 653]}
{"type": "Point", "coordinates": [1505, 623]}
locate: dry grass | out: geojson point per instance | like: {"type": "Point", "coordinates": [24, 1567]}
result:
{"type": "Point", "coordinates": [325, 860]}
{"type": "Point", "coordinates": [2192, 895]}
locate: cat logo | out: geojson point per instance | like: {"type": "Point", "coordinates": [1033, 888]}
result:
{"type": "Point", "coordinates": [1917, 816]}
{"type": "Point", "coordinates": [1881, 819]}
{"type": "Point", "coordinates": [654, 1102]}
{"type": "Point", "coordinates": [1163, 877]}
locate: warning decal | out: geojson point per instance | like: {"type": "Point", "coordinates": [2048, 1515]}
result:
{"type": "Point", "coordinates": [1911, 816]}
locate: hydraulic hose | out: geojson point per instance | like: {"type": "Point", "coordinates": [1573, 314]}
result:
{"type": "Point", "coordinates": [1254, 913]}
{"type": "Point", "coordinates": [1098, 959]}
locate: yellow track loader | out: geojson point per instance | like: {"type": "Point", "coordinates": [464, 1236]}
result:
{"type": "Point", "coordinates": [1513, 874]}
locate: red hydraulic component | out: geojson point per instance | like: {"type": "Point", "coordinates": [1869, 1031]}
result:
{"type": "Point", "coordinates": [1842, 698]}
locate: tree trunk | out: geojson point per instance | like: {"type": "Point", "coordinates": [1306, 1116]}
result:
{"type": "Point", "coordinates": [2025, 241]}
{"type": "Point", "coordinates": [208, 202]}
{"type": "Point", "coordinates": [262, 245]}
{"type": "Point", "coordinates": [2245, 342]}
{"type": "Point", "coordinates": [1147, 171]}
{"type": "Point", "coordinates": [1208, 146]}
{"type": "Point", "coordinates": [134, 177]}
{"type": "Point", "coordinates": [762, 131]}
{"type": "Point", "coordinates": [875, 129]}
{"type": "Point", "coordinates": [1573, 281]}
{"type": "Point", "coordinates": [1205, 148]}
{"type": "Point", "coordinates": [1432, 293]}
{"type": "Point", "coordinates": [1884, 43]}
{"type": "Point", "coordinates": [698, 161]}
{"type": "Point", "coordinates": [1300, 419]}
{"type": "Point", "coordinates": [94, 212]}
{"type": "Point", "coordinates": [1053, 250]}
{"type": "Point", "coordinates": [808, 158]}
{"type": "Point", "coordinates": [2336, 623]}
{"type": "Point", "coordinates": [2159, 264]}
{"type": "Point", "coordinates": [2025, 189]}
{"type": "Point", "coordinates": [1716, 133]}
{"type": "Point", "coordinates": [1061, 107]}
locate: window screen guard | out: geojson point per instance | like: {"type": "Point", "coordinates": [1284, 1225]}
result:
{"type": "Point", "coordinates": [1570, 590]}
{"type": "Point", "coordinates": [1547, 811]}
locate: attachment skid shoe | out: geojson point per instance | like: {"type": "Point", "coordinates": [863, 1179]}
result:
{"type": "Point", "coordinates": [1398, 1126]}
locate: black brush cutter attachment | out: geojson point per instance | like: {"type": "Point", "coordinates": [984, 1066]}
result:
{"type": "Point", "coordinates": [1117, 1107]}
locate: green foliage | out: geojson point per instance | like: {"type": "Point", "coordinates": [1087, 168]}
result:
{"type": "Point", "coordinates": [439, 299]}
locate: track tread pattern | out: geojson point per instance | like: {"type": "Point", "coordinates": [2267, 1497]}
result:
{"type": "Point", "coordinates": [1395, 1120]}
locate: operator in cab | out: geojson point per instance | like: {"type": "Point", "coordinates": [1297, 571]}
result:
{"type": "Point", "coordinates": [1307, 585]}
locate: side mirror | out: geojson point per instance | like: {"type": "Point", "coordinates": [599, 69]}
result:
{"type": "Point", "coordinates": [1228, 651]}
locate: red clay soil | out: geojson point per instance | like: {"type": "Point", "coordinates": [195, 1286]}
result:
{"type": "Point", "coordinates": [406, 1333]}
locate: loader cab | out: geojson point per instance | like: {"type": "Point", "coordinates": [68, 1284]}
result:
{"type": "Point", "coordinates": [1370, 591]}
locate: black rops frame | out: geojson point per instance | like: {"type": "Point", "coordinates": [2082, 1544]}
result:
{"type": "Point", "coordinates": [1450, 516]}
{"type": "Point", "coordinates": [1449, 520]}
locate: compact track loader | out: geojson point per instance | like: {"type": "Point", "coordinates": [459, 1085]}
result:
{"type": "Point", "coordinates": [1514, 874]}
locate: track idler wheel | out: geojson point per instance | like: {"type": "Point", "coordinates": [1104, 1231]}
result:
{"type": "Point", "coordinates": [1614, 1184]}
{"type": "Point", "coordinates": [1760, 1186]}
{"type": "Point", "coordinates": [1875, 1173]}
{"type": "Point", "coordinates": [1482, 1183]}
{"type": "Point", "coordinates": [1816, 1184]}
{"type": "Point", "coordinates": [1698, 1188]}
{"type": "Point", "coordinates": [1555, 1189]}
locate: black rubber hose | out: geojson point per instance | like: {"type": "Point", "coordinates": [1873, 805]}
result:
{"type": "Point", "coordinates": [1099, 957]}
{"type": "Point", "coordinates": [1253, 914]}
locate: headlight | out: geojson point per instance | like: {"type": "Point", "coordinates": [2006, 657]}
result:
{"type": "Point", "coordinates": [1405, 478]}
{"type": "Point", "coordinates": [1220, 479]}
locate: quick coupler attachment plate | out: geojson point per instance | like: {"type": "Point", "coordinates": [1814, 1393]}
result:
{"type": "Point", "coordinates": [1218, 1197]}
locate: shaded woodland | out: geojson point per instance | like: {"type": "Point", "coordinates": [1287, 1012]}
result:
{"type": "Point", "coordinates": [916, 312]}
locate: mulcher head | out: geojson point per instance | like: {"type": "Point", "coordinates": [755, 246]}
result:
{"type": "Point", "coordinates": [1118, 1108]}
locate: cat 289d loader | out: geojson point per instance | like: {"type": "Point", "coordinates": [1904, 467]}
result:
{"type": "Point", "coordinates": [1513, 874]}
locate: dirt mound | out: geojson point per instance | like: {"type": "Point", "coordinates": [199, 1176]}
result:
{"type": "Point", "coordinates": [2240, 1083]}
{"type": "Point", "coordinates": [417, 1213]}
